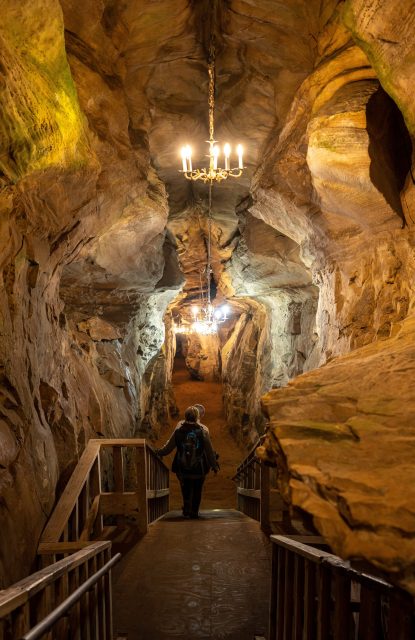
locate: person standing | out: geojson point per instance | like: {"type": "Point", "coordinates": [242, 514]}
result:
{"type": "Point", "coordinates": [193, 459]}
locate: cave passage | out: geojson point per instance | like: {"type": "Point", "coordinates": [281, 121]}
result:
{"type": "Point", "coordinates": [219, 491]}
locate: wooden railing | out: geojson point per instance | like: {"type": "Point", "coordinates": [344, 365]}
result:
{"type": "Point", "coordinates": [257, 493]}
{"type": "Point", "coordinates": [317, 596]}
{"type": "Point", "coordinates": [136, 484]}
{"type": "Point", "coordinates": [81, 613]}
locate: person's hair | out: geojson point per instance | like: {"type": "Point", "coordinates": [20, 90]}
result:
{"type": "Point", "coordinates": [191, 414]}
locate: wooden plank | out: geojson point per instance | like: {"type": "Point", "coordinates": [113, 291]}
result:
{"type": "Point", "coordinates": [369, 616]}
{"type": "Point", "coordinates": [118, 503]}
{"type": "Point", "coordinates": [92, 602]}
{"type": "Point", "coordinates": [101, 600]}
{"type": "Point", "coordinates": [97, 489]}
{"type": "Point", "coordinates": [90, 519]}
{"type": "Point", "coordinates": [289, 595]}
{"type": "Point", "coordinates": [75, 611]}
{"type": "Point", "coordinates": [118, 469]}
{"type": "Point", "coordinates": [119, 442]}
{"type": "Point", "coordinates": [157, 493]}
{"type": "Point", "coordinates": [401, 617]}
{"type": "Point", "coordinates": [61, 593]}
{"type": "Point", "coordinates": [264, 497]}
{"type": "Point", "coordinates": [141, 467]}
{"type": "Point", "coordinates": [309, 632]}
{"type": "Point", "coordinates": [84, 605]}
{"type": "Point", "coordinates": [49, 548]}
{"type": "Point", "coordinates": [249, 493]}
{"type": "Point", "coordinates": [274, 594]}
{"type": "Point", "coordinates": [282, 553]}
{"type": "Point", "coordinates": [298, 613]}
{"type": "Point", "coordinates": [304, 539]}
{"type": "Point", "coordinates": [108, 597]}
{"type": "Point", "coordinates": [20, 621]}
{"type": "Point", "coordinates": [323, 602]}
{"type": "Point", "coordinates": [315, 555]}
{"type": "Point", "coordinates": [342, 608]}
{"type": "Point", "coordinates": [66, 504]}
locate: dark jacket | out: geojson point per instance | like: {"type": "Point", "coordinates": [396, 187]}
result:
{"type": "Point", "coordinates": [209, 456]}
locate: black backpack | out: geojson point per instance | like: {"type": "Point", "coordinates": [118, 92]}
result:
{"type": "Point", "coordinates": [190, 448]}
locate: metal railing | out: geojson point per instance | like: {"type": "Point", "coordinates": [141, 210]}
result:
{"type": "Point", "coordinates": [70, 599]}
{"type": "Point", "coordinates": [317, 596]}
{"type": "Point", "coordinates": [137, 491]}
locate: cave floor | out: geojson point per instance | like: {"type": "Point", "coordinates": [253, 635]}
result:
{"type": "Point", "coordinates": [219, 491]}
{"type": "Point", "coordinates": [190, 579]}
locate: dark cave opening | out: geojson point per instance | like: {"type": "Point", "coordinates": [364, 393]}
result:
{"type": "Point", "coordinates": [390, 148]}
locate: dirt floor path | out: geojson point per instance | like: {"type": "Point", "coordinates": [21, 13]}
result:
{"type": "Point", "coordinates": [219, 491]}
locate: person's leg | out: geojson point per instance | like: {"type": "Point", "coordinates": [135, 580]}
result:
{"type": "Point", "coordinates": [196, 496]}
{"type": "Point", "coordinates": [186, 487]}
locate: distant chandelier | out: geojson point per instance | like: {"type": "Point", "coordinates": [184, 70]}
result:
{"type": "Point", "coordinates": [213, 173]}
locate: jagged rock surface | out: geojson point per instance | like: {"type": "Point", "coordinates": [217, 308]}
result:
{"type": "Point", "coordinates": [344, 441]}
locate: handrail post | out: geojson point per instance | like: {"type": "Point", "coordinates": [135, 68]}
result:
{"type": "Point", "coordinates": [265, 498]}
{"type": "Point", "coordinates": [141, 467]}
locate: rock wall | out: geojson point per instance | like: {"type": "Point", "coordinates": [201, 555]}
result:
{"type": "Point", "coordinates": [84, 249]}
{"type": "Point", "coordinates": [343, 438]}
{"type": "Point", "coordinates": [338, 182]}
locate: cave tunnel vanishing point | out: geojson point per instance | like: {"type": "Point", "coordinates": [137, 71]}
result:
{"type": "Point", "coordinates": [104, 244]}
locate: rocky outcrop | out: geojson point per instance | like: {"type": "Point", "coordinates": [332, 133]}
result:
{"type": "Point", "coordinates": [344, 441]}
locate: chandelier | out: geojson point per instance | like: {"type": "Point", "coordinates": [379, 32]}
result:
{"type": "Point", "coordinates": [206, 318]}
{"type": "Point", "coordinates": [213, 173]}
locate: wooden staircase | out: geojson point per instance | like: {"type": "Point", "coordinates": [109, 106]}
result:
{"type": "Point", "coordinates": [116, 483]}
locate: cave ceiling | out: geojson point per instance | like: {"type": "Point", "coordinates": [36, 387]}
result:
{"type": "Point", "coordinates": [154, 56]}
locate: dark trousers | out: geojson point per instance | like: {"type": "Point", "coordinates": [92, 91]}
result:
{"type": "Point", "coordinates": [192, 494]}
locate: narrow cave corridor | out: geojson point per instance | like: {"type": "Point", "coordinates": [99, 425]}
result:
{"type": "Point", "coordinates": [207, 202]}
{"type": "Point", "coordinates": [219, 491]}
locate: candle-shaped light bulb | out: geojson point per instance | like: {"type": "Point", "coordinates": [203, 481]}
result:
{"type": "Point", "coordinates": [189, 157]}
{"type": "Point", "coordinates": [215, 157]}
{"type": "Point", "coordinates": [184, 155]}
{"type": "Point", "coordinates": [227, 152]}
{"type": "Point", "coordinates": [195, 311]}
{"type": "Point", "coordinates": [239, 151]}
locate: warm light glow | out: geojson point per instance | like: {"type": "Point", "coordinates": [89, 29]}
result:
{"type": "Point", "coordinates": [239, 151]}
{"type": "Point", "coordinates": [227, 152]}
{"type": "Point", "coordinates": [205, 328]}
{"type": "Point", "coordinates": [189, 157]}
{"type": "Point", "coordinates": [195, 310]}
{"type": "Point", "coordinates": [216, 151]}
{"type": "Point", "coordinates": [218, 313]}
{"type": "Point", "coordinates": [183, 153]}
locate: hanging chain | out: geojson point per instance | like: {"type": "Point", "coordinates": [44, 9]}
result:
{"type": "Point", "coordinates": [209, 255]}
{"type": "Point", "coordinates": [211, 71]}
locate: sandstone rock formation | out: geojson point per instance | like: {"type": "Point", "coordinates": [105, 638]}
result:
{"type": "Point", "coordinates": [104, 244]}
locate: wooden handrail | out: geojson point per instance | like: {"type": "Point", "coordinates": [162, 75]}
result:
{"type": "Point", "coordinates": [256, 497]}
{"type": "Point", "coordinates": [78, 515]}
{"type": "Point", "coordinates": [47, 623]}
{"type": "Point", "coordinates": [29, 601]}
{"type": "Point", "coordinates": [315, 594]}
